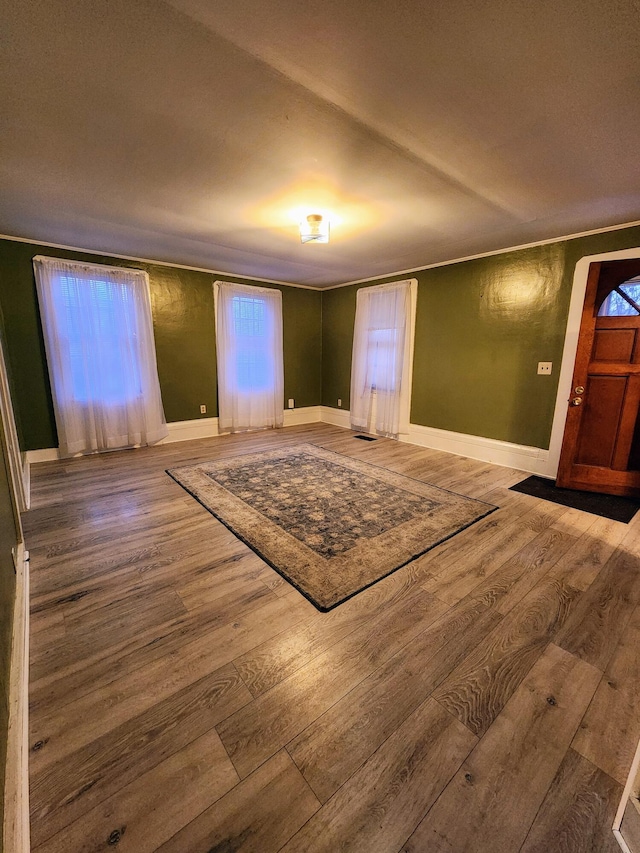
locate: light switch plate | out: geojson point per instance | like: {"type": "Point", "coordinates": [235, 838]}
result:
{"type": "Point", "coordinates": [544, 367]}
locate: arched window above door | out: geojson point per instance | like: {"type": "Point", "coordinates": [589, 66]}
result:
{"type": "Point", "coordinates": [623, 300]}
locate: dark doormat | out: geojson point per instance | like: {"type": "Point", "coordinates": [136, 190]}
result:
{"type": "Point", "coordinates": [608, 506]}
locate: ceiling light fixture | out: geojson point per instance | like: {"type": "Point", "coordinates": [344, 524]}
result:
{"type": "Point", "coordinates": [314, 229]}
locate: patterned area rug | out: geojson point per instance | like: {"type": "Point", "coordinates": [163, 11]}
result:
{"type": "Point", "coordinates": [329, 524]}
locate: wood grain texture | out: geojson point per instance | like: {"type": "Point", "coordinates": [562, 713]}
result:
{"type": "Point", "coordinates": [65, 790]}
{"type": "Point", "coordinates": [139, 817]}
{"type": "Point", "coordinates": [477, 690]}
{"type": "Point", "coordinates": [75, 653]}
{"type": "Point", "coordinates": [610, 730]}
{"type": "Point", "coordinates": [90, 716]}
{"type": "Point", "coordinates": [153, 627]}
{"type": "Point", "coordinates": [630, 826]}
{"type": "Point", "coordinates": [256, 732]}
{"type": "Point", "coordinates": [257, 816]}
{"type": "Point", "coordinates": [594, 629]}
{"type": "Point", "coordinates": [577, 813]}
{"type": "Point", "coordinates": [456, 581]}
{"type": "Point", "coordinates": [495, 795]}
{"type": "Point", "coordinates": [581, 566]}
{"type": "Point", "coordinates": [575, 521]}
{"type": "Point", "coordinates": [463, 547]}
{"type": "Point", "coordinates": [518, 576]}
{"type": "Point", "coordinates": [378, 806]}
{"type": "Point", "coordinates": [330, 749]}
{"type": "Point", "coordinates": [278, 658]}
{"type": "Point", "coordinates": [231, 621]}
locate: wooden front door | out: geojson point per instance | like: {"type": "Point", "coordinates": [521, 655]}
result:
{"type": "Point", "coordinates": [601, 445]}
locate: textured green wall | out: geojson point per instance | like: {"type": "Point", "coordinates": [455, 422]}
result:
{"type": "Point", "coordinates": [184, 328]}
{"type": "Point", "coordinates": [481, 328]}
{"type": "Point", "coordinates": [338, 315]}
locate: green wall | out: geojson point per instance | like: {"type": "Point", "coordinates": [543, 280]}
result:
{"type": "Point", "coordinates": [184, 328]}
{"type": "Point", "coordinates": [482, 326]}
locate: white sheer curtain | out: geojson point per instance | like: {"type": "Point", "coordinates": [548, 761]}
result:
{"type": "Point", "coordinates": [249, 353]}
{"type": "Point", "coordinates": [382, 356]}
{"type": "Point", "coordinates": [100, 350]}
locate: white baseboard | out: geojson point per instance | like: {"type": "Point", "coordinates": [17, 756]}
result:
{"type": "Point", "coordinates": [178, 431]}
{"type": "Point", "coordinates": [534, 460]}
{"type": "Point", "coordinates": [16, 836]}
{"type": "Point", "coordinates": [630, 790]}
{"type": "Point", "coordinates": [623, 844]}
{"type": "Point", "coordinates": [188, 430]}
{"type": "Point", "coordinates": [47, 454]}
{"type": "Point", "coordinates": [304, 415]}
{"type": "Point", "coordinates": [209, 427]}
{"type": "Point", "coordinates": [335, 417]}
{"type": "Point", "coordinates": [531, 459]}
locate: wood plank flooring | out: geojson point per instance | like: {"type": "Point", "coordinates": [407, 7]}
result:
{"type": "Point", "coordinates": [186, 699]}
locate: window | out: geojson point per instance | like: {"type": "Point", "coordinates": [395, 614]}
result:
{"type": "Point", "coordinates": [623, 301]}
{"type": "Point", "coordinates": [111, 319]}
{"type": "Point", "coordinates": [254, 367]}
{"type": "Point", "coordinates": [101, 355]}
{"type": "Point", "coordinates": [382, 358]}
{"type": "Point", "coordinates": [250, 361]}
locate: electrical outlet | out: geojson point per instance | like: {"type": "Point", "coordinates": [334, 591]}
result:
{"type": "Point", "coordinates": [339, 403]}
{"type": "Point", "coordinates": [291, 404]}
{"type": "Point", "coordinates": [203, 409]}
{"type": "Point", "coordinates": [544, 367]}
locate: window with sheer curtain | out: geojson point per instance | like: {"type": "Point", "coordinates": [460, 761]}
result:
{"type": "Point", "coordinates": [98, 335]}
{"type": "Point", "coordinates": [382, 358]}
{"type": "Point", "coordinates": [249, 354]}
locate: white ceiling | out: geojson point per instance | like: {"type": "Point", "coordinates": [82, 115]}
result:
{"type": "Point", "coordinates": [193, 131]}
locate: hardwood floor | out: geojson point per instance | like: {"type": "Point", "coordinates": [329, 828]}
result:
{"type": "Point", "coordinates": [185, 698]}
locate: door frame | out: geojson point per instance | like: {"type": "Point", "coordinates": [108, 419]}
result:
{"type": "Point", "coordinates": [19, 469]}
{"type": "Point", "coordinates": [574, 319]}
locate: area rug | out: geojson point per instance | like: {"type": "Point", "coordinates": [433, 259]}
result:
{"type": "Point", "coordinates": [329, 524]}
{"type": "Point", "coordinates": [607, 506]}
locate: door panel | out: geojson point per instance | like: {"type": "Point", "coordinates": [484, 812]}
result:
{"type": "Point", "coordinates": [614, 344]}
{"type": "Point", "coordinates": [629, 421]}
{"type": "Point", "coordinates": [601, 446]}
{"type": "Point", "coordinates": [634, 453]}
{"type": "Point", "coordinates": [604, 399]}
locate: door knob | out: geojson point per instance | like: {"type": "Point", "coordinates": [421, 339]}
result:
{"type": "Point", "coordinates": [577, 401]}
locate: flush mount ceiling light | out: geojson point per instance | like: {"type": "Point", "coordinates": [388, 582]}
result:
{"type": "Point", "coordinates": [314, 229]}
